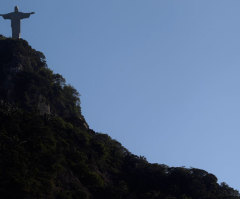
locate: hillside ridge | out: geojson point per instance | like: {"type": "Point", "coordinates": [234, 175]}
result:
{"type": "Point", "coordinates": [48, 151]}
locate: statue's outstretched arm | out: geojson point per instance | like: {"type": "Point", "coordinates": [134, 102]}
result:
{"type": "Point", "coordinates": [6, 16]}
{"type": "Point", "coordinates": [25, 15]}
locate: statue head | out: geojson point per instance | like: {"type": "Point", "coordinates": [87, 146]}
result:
{"type": "Point", "coordinates": [16, 9]}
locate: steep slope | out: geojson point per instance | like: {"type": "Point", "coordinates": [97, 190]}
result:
{"type": "Point", "coordinates": [47, 150]}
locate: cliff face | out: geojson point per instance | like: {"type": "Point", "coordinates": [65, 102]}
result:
{"type": "Point", "coordinates": [26, 81]}
{"type": "Point", "coordinates": [19, 62]}
{"type": "Point", "coordinates": [47, 150]}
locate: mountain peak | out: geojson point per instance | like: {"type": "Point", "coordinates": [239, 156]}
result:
{"type": "Point", "coordinates": [48, 151]}
{"type": "Point", "coordinates": [26, 81]}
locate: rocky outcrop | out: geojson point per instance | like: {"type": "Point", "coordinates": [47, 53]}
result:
{"type": "Point", "coordinates": [43, 107]}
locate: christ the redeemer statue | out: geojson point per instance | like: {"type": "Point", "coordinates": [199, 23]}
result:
{"type": "Point", "coordinates": [15, 18]}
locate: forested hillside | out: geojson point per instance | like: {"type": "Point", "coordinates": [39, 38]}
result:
{"type": "Point", "coordinates": [47, 150]}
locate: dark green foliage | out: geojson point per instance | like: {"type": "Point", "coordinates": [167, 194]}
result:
{"type": "Point", "coordinates": [57, 156]}
{"type": "Point", "coordinates": [26, 81]}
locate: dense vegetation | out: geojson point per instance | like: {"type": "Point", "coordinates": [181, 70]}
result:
{"type": "Point", "coordinates": [57, 156]}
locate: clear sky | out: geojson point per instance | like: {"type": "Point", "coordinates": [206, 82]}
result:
{"type": "Point", "coordinates": [160, 76]}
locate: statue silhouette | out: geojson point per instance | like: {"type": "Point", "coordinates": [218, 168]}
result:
{"type": "Point", "coordinates": [15, 18]}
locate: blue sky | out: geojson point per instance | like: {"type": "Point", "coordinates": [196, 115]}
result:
{"type": "Point", "coordinates": [160, 76]}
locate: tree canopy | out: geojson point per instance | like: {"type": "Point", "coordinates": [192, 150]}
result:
{"type": "Point", "coordinates": [58, 156]}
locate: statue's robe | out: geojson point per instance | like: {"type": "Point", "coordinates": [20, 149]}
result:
{"type": "Point", "coordinates": [15, 18]}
